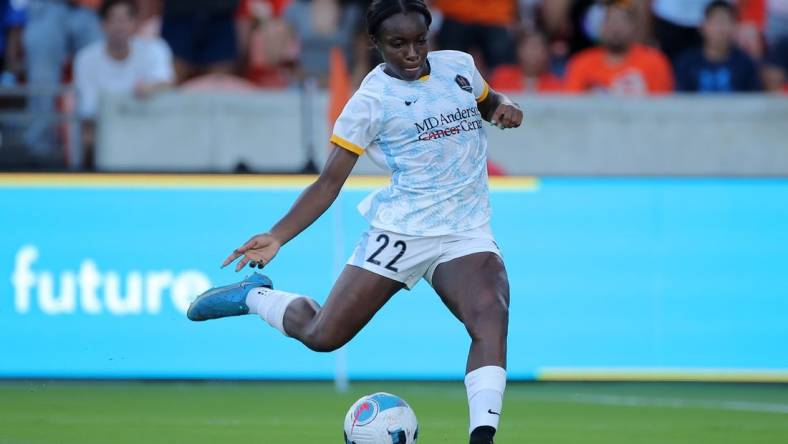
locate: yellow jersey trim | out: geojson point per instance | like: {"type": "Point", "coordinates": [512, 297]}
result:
{"type": "Point", "coordinates": [346, 144]}
{"type": "Point", "coordinates": [485, 93]}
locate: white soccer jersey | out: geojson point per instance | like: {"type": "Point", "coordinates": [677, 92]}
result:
{"type": "Point", "coordinates": [428, 133]}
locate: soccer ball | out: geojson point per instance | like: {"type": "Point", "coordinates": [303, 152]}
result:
{"type": "Point", "coordinates": [381, 418]}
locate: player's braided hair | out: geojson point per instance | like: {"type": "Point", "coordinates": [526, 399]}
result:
{"type": "Point", "coordinates": [380, 10]}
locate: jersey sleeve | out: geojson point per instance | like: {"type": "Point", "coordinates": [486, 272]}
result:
{"type": "Point", "coordinates": [359, 123]}
{"type": "Point", "coordinates": [480, 87]}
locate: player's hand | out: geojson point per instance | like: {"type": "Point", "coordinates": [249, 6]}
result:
{"type": "Point", "coordinates": [257, 252]}
{"type": "Point", "coordinates": [507, 115]}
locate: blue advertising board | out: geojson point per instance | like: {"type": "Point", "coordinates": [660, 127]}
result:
{"type": "Point", "coordinates": [610, 278]}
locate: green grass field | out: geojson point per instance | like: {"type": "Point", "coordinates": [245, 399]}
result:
{"type": "Point", "coordinates": [310, 413]}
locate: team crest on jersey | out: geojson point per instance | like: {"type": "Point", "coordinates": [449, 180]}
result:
{"type": "Point", "coordinates": [464, 84]}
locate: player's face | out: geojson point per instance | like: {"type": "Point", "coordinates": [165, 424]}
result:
{"type": "Point", "coordinates": [402, 42]}
{"type": "Point", "coordinates": [120, 24]}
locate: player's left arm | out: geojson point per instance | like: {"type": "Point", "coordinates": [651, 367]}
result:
{"type": "Point", "coordinates": [501, 111]}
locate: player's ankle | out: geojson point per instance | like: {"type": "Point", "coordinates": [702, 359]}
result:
{"type": "Point", "coordinates": [270, 305]}
{"type": "Point", "coordinates": [482, 435]}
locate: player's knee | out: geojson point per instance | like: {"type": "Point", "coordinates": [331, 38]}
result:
{"type": "Point", "coordinates": [323, 347]}
{"type": "Point", "coordinates": [489, 316]}
{"type": "Point", "coordinates": [322, 342]}
{"type": "Point", "coordinates": [491, 306]}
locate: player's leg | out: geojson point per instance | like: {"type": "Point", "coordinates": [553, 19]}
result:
{"type": "Point", "coordinates": [357, 295]}
{"type": "Point", "coordinates": [476, 290]}
{"type": "Point", "coordinates": [382, 264]}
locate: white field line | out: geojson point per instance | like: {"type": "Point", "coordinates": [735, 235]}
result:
{"type": "Point", "coordinates": [639, 401]}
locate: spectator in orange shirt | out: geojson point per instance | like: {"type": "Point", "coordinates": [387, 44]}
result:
{"type": "Point", "coordinates": [533, 72]}
{"type": "Point", "coordinates": [468, 25]}
{"type": "Point", "coordinates": [619, 66]}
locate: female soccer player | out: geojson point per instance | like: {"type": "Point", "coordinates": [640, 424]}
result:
{"type": "Point", "coordinates": [419, 113]}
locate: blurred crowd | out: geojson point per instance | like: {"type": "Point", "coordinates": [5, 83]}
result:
{"type": "Point", "coordinates": [619, 47]}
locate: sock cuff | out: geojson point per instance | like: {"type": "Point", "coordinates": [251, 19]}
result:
{"type": "Point", "coordinates": [486, 378]}
{"type": "Point", "coordinates": [485, 396]}
{"type": "Point", "coordinates": [273, 306]}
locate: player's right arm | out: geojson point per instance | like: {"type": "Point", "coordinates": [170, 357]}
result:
{"type": "Point", "coordinates": [355, 129]}
{"type": "Point", "coordinates": [309, 206]}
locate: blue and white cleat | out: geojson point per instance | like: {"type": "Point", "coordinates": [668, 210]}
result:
{"type": "Point", "coordinates": [230, 300]}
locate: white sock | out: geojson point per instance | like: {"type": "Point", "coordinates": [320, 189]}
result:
{"type": "Point", "coordinates": [270, 305]}
{"type": "Point", "coordinates": [485, 388]}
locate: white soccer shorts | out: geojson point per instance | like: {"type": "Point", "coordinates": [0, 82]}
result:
{"type": "Point", "coordinates": [407, 259]}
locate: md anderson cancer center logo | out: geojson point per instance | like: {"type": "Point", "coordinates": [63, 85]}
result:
{"type": "Point", "coordinates": [449, 124]}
